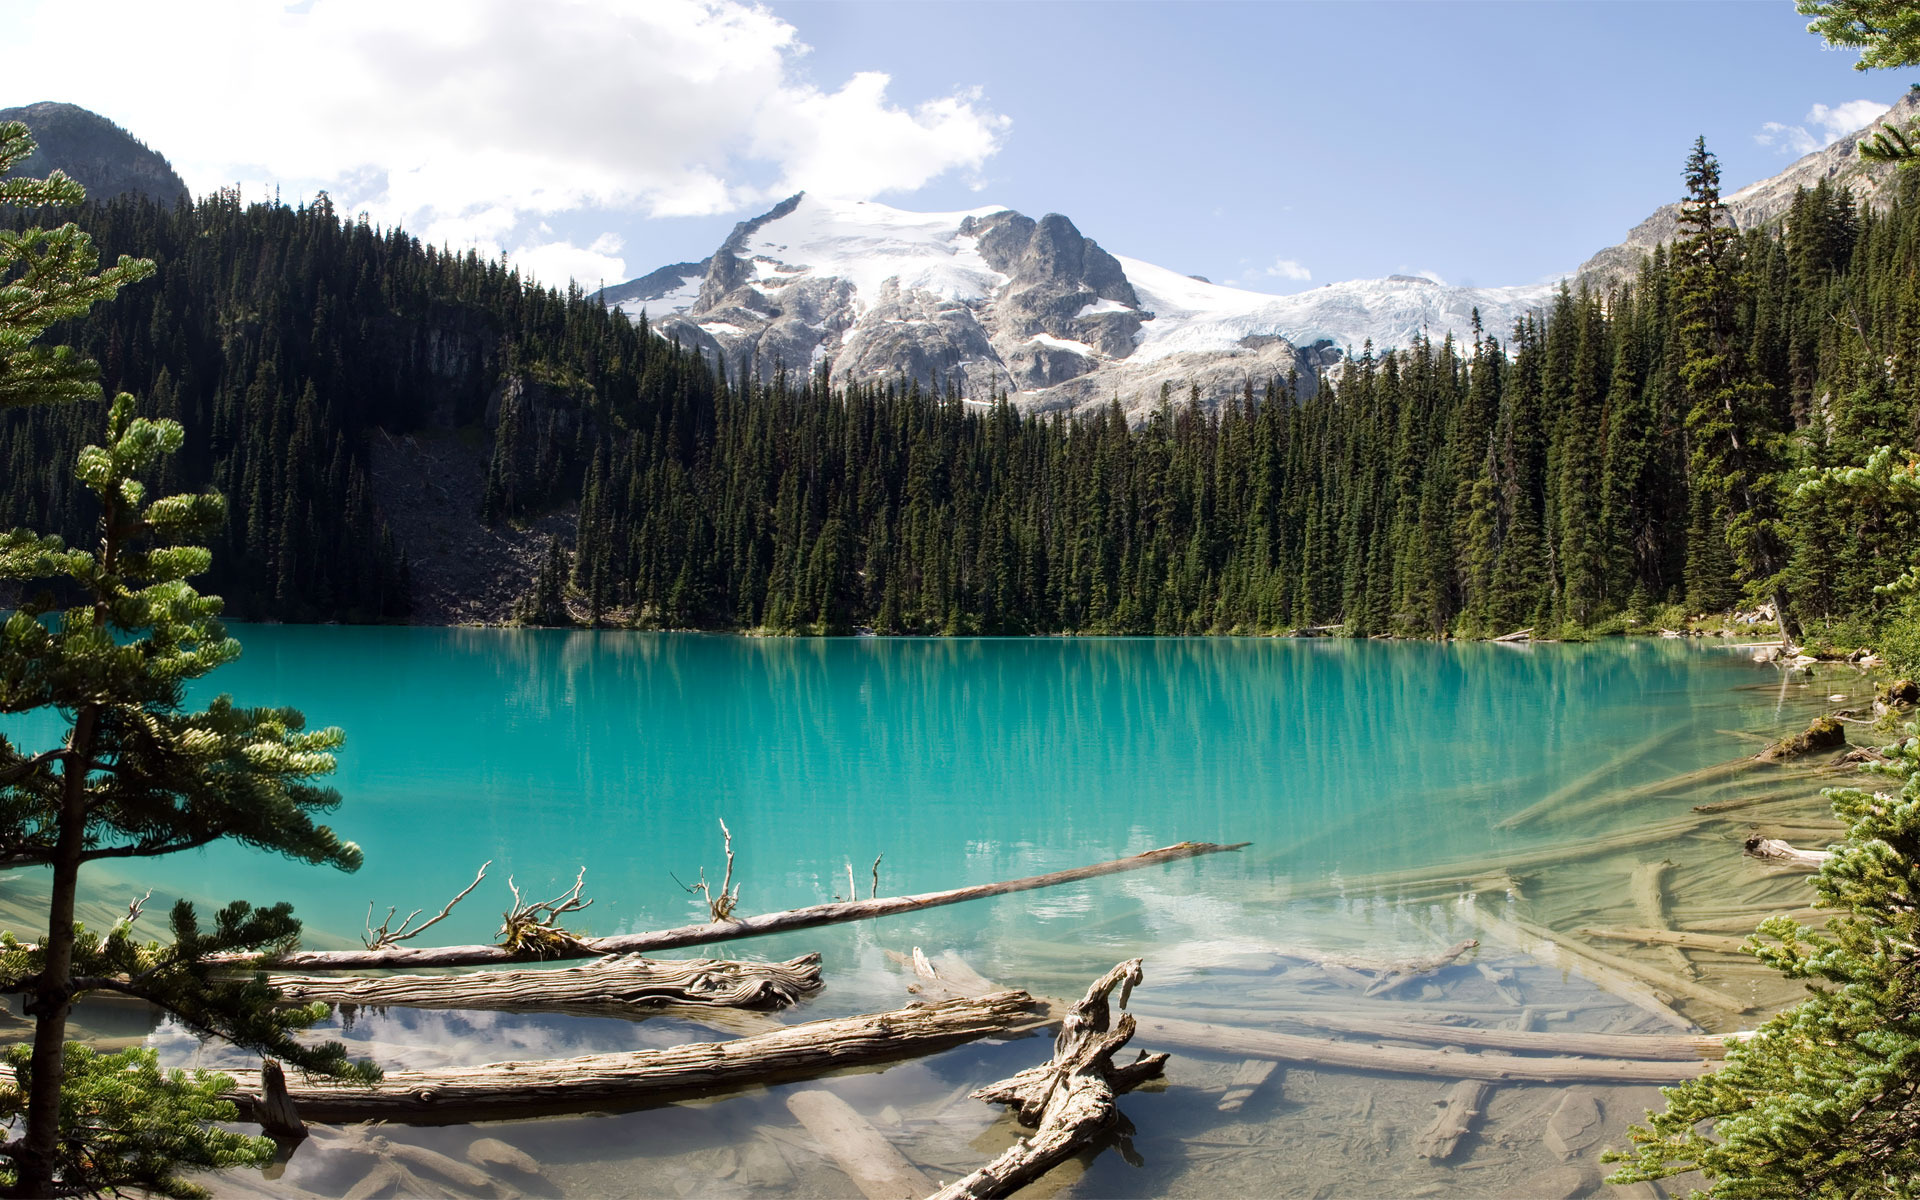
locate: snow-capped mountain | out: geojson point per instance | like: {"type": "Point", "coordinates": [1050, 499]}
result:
{"type": "Point", "coordinates": [997, 302]}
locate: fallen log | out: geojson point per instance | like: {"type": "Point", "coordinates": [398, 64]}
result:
{"type": "Point", "coordinates": [1784, 854]}
{"type": "Point", "coordinates": [716, 931]}
{"type": "Point", "coordinates": [1203, 1038]}
{"type": "Point", "coordinates": [1464, 1103]}
{"type": "Point", "coordinates": [1684, 938]}
{"type": "Point", "coordinates": [622, 981]}
{"type": "Point", "coordinates": [1518, 635]}
{"type": "Point", "coordinates": [1472, 870]}
{"type": "Point", "coordinates": [598, 1081]}
{"type": "Point", "coordinates": [1748, 922]}
{"type": "Point", "coordinates": [1622, 1058]}
{"type": "Point", "coordinates": [1628, 987]}
{"type": "Point", "coordinates": [1560, 795]}
{"type": "Point", "coordinates": [1650, 901]}
{"type": "Point", "coordinates": [861, 1152]}
{"type": "Point", "coordinates": [1667, 1046]}
{"type": "Point", "coordinates": [1593, 959]}
{"type": "Point", "coordinates": [1247, 1078]}
{"type": "Point", "coordinates": [1071, 1097]}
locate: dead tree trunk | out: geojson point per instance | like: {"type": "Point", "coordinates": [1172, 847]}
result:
{"type": "Point", "coordinates": [1071, 1098]}
{"type": "Point", "coordinates": [597, 1081]}
{"type": "Point", "coordinates": [391, 957]}
{"type": "Point", "coordinates": [618, 982]}
{"type": "Point", "coordinates": [1785, 854]}
{"type": "Point", "coordinates": [1465, 1102]}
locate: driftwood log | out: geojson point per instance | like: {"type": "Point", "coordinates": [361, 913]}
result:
{"type": "Point", "coordinates": [1201, 1037]}
{"type": "Point", "coordinates": [1620, 1058]}
{"type": "Point", "coordinates": [1650, 901]}
{"type": "Point", "coordinates": [861, 1152]}
{"type": "Point", "coordinates": [1246, 1080]}
{"type": "Point", "coordinates": [1071, 1097]}
{"type": "Point", "coordinates": [1679, 1047]}
{"type": "Point", "coordinates": [646, 1076]}
{"type": "Point", "coordinates": [1549, 804]}
{"type": "Point", "coordinates": [718, 931]}
{"type": "Point", "coordinates": [1594, 958]}
{"type": "Point", "coordinates": [1471, 871]}
{"type": "Point", "coordinates": [1779, 853]}
{"type": "Point", "coordinates": [1686, 939]}
{"type": "Point", "coordinates": [1553, 951]}
{"type": "Point", "coordinates": [623, 981]}
{"type": "Point", "coordinates": [1465, 1102]}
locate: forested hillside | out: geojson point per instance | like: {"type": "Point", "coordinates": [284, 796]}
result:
{"type": "Point", "coordinates": [1624, 452]}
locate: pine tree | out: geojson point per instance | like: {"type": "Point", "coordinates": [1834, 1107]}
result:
{"type": "Point", "coordinates": [1736, 444]}
{"type": "Point", "coordinates": [136, 775]}
{"type": "Point", "coordinates": [139, 775]}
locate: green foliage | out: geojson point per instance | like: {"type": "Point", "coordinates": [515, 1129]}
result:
{"type": "Point", "coordinates": [47, 276]}
{"type": "Point", "coordinates": [109, 638]}
{"type": "Point", "coordinates": [126, 1124]}
{"type": "Point", "coordinates": [1886, 32]}
{"type": "Point", "coordinates": [1824, 1099]}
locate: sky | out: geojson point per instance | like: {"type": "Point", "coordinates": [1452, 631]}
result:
{"type": "Point", "coordinates": [1277, 146]}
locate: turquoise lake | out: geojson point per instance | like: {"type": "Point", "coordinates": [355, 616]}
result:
{"type": "Point", "coordinates": [959, 761]}
{"type": "Point", "coordinates": [963, 761]}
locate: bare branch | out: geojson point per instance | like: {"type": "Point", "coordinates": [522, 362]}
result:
{"type": "Point", "coordinates": [721, 907]}
{"type": "Point", "coordinates": [875, 893]}
{"type": "Point", "coordinates": [379, 939]}
{"type": "Point", "coordinates": [136, 907]}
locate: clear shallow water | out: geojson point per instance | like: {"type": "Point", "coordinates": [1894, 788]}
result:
{"type": "Point", "coordinates": [961, 762]}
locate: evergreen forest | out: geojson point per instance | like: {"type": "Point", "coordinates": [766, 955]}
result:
{"type": "Point", "coordinates": [1626, 458]}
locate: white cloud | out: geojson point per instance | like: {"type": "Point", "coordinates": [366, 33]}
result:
{"type": "Point", "coordinates": [471, 120]}
{"type": "Point", "coordinates": [1287, 268]}
{"type": "Point", "coordinates": [1822, 126]}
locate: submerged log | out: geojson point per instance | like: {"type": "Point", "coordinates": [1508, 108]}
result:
{"type": "Point", "coordinates": [861, 1152]}
{"type": "Point", "coordinates": [1650, 901]}
{"type": "Point", "coordinates": [1247, 1078]}
{"type": "Point", "coordinates": [1553, 800]}
{"type": "Point", "coordinates": [1468, 871]}
{"type": "Point", "coordinates": [1204, 1038]}
{"type": "Point", "coordinates": [1673, 1047]}
{"type": "Point", "coordinates": [616, 982]}
{"type": "Point", "coordinates": [1593, 958]}
{"type": "Point", "coordinates": [1785, 854]}
{"type": "Point", "coordinates": [1465, 1102]}
{"type": "Point", "coordinates": [1684, 938]}
{"type": "Point", "coordinates": [597, 1081]}
{"type": "Point", "coordinates": [1069, 1098]}
{"type": "Point", "coordinates": [719, 931]}
{"type": "Point", "coordinates": [1627, 986]}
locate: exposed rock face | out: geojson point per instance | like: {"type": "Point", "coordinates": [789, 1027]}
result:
{"type": "Point", "coordinates": [1768, 200]}
{"type": "Point", "coordinates": [102, 157]}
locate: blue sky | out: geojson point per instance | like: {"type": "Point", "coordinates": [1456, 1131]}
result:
{"type": "Point", "coordinates": [1276, 145]}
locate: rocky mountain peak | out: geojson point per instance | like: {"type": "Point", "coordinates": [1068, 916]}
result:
{"type": "Point", "coordinates": [102, 157]}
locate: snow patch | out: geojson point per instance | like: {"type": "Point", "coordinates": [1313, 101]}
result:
{"type": "Point", "coordinates": [1057, 343]}
{"type": "Point", "coordinates": [1100, 306]}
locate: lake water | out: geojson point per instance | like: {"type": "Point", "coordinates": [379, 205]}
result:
{"type": "Point", "coordinates": [967, 761]}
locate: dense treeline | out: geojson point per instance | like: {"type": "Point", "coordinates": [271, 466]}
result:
{"type": "Point", "coordinates": [1619, 454]}
{"type": "Point", "coordinates": [285, 340]}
